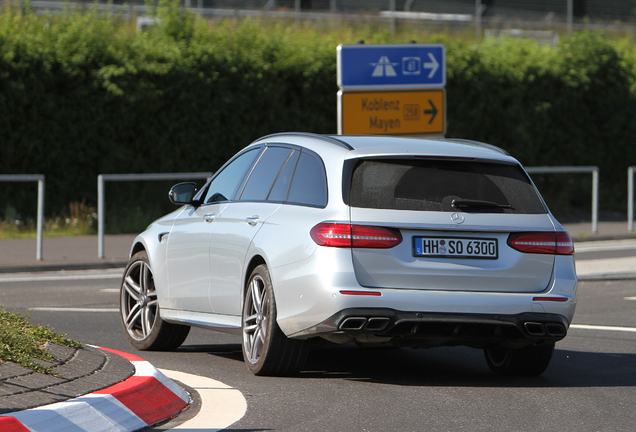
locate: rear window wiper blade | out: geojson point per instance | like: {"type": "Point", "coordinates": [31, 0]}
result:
{"type": "Point", "coordinates": [466, 203]}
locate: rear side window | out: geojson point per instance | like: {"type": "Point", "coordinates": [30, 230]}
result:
{"type": "Point", "coordinates": [433, 185]}
{"type": "Point", "coordinates": [309, 185]}
{"type": "Point", "coordinates": [265, 173]}
{"type": "Point", "coordinates": [281, 186]}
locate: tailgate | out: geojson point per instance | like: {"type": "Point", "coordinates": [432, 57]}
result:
{"type": "Point", "coordinates": [437, 253]}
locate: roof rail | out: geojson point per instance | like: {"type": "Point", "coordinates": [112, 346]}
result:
{"type": "Point", "coordinates": [475, 143]}
{"type": "Point", "coordinates": [326, 138]}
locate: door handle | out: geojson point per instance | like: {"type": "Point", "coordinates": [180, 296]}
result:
{"type": "Point", "coordinates": [252, 220]}
{"type": "Point", "coordinates": [209, 217]}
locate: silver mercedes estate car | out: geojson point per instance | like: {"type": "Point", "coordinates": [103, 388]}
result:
{"type": "Point", "coordinates": [379, 241]}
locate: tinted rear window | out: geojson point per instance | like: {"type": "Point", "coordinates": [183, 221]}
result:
{"type": "Point", "coordinates": [262, 178]}
{"type": "Point", "coordinates": [309, 185]}
{"type": "Point", "coordinates": [281, 186]}
{"type": "Point", "coordinates": [432, 185]}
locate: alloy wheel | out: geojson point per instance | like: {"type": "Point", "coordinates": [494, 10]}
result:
{"type": "Point", "coordinates": [139, 300]}
{"type": "Point", "coordinates": [255, 319]}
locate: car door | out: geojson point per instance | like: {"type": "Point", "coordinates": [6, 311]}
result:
{"type": "Point", "coordinates": [188, 261]}
{"type": "Point", "coordinates": [239, 222]}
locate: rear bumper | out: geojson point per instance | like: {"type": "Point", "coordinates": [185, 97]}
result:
{"type": "Point", "coordinates": [310, 294]}
{"type": "Point", "coordinates": [422, 329]}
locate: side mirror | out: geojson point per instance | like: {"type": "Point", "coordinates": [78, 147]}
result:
{"type": "Point", "coordinates": [182, 193]}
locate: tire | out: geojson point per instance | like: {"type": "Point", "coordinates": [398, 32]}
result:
{"type": "Point", "coordinates": [266, 349]}
{"type": "Point", "coordinates": [139, 310]}
{"type": "Point", "coordinates": [532, 360]}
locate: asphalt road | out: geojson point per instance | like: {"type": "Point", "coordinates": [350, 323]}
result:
{"type": "Point", "coordinates": [589, 386]}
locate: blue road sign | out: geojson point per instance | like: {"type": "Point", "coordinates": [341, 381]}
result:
{"type": "Point", "coordinates": [391, 66]}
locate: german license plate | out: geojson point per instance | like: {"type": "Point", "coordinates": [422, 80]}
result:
{"type": "Point", "coordinates": [455, 247]}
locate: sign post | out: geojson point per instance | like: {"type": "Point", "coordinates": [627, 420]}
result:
{"type": "Point", "coordinates": [391, 89]}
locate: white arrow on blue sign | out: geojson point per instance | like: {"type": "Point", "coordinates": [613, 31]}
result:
{"type": "Point", "coordinates": [391, 66]}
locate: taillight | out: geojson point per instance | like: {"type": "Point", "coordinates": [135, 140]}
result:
{"type": "Point", "coordinates": [357, 236]}
{"type": "Point", "coordinates": [375, 237]}
{"type": "Point", "coordinates": [332, 234]}
{"type": "Point", "coordinates": [556, 243]}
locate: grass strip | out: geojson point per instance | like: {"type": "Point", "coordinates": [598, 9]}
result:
{"type": "Point", "coordinates": [23, 343]}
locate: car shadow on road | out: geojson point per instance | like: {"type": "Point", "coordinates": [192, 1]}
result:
{"type": "Point", "coordinates": [448, 366]}
{"type": "Point", "coordinates": [230, 351]}
{"type": "Point", "coordinates": [461, 366]}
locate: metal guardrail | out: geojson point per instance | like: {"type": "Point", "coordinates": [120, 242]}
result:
{"type": "Point", "coordinates": [133, 9]}
{"type": "Point", "coordinates": [454, 13]}
{"type": "Point", "coordinates": [102, 178]}
{"type": "Point", "coordinates": [630, 198]}
{"type": "Point", "coordinates": [584, 169]}
{"type": "Point", "coordinates": [40, 215]}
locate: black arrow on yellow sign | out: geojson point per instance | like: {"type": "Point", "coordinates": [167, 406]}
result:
{"type": "Point", "coordinates": [432, 111]}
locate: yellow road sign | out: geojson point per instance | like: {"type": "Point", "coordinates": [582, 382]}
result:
{"type": "Point", "coordinates": [408, 112]}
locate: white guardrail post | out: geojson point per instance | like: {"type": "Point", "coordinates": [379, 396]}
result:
{"type": "Point", "coordinates": [583, 169]}
{"type": "Point", "coordinates": [101, 206]}
{"type": "Point", "coordinates": [40, 212]}
{"type": "Point", "coordinates": [630, 198]}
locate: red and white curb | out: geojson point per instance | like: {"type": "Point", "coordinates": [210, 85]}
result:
{"type": "Point", "coordinates": [144, 399]}
{"type": "Point", "coordinates": [221, 405]}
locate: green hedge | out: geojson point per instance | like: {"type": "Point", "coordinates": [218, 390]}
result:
{"type": "Point", "coordinates": [573, 105]}
{"type": "Point", "coordinates": [84, 94]}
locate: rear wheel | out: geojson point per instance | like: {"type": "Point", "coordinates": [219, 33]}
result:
{"type": "Point", "coordinates": [532, 360]}
{"type": "Point", "coordinates": [266, 349]}
{"type": "Point", "coordinates": [139, 310]}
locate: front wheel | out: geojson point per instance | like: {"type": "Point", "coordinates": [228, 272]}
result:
{"type": "Point", "coordinates": [139, 310]}
{"type": "Point", "coordinates": [532, 360]}
{"type": "Point", "coordinates": [266, 349]}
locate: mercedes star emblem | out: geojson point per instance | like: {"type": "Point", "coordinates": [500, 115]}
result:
{"type": "Point", "coordinates": [457, 218]}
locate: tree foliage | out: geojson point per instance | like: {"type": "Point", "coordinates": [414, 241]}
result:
{"type": "Point", "coordinates": [82, 93]}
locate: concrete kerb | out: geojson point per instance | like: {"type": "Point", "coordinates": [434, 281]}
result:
{"type": "Point", "coordinates": [144, 399]}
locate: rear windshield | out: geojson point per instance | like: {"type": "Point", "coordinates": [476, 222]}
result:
{"type": "Point", "coordinates": [442, 185]}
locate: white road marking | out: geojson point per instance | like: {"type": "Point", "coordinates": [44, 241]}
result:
{"type": "Point", "coordinates": [630, 298]}
{"type": "Point", "coordinates": [221, 405]}
{"type": "Point", "coordinates": [604, 328]}
{"type": "Point", "coordinates": [109, 290]}
{"type": "Point", "coordinates": [63, 276]}
{"type": "Point", "coordinates": [605, 267]}
{"type": "Point", "coordinates": [605, 245]}
{"type": "Point", "coordinates": [72, 309]}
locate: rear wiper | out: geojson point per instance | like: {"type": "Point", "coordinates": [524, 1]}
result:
{"type": "Point", "coordinates": [465, 203]}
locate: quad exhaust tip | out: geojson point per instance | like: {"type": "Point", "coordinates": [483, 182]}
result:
{"type": "Point", "coordinates": [377, 324]}
{"type": "Point", "coordinates": [359, 323]}
{"type": "Point", "coordinates": [534, 328]}
{"type": "Point", "coordinates": [555, 329]}
{"type": "Point", "coordinates": [353, 323]}
{"type": "Point", "coordinates": [541, 329]}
